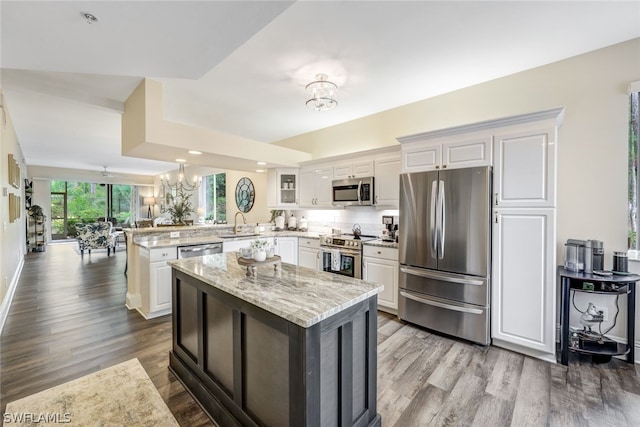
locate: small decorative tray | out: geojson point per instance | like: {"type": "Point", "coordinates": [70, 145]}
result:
{"type": "Point", "coordinates": [251, 264]}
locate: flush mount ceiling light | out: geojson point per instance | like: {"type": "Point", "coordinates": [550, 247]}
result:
{"type": "Point", "coordinates": [91, 18]}
{"type": "Point", "coordinates": [321, 94]}
{"type": "Point", "coordinates": [195, 152]}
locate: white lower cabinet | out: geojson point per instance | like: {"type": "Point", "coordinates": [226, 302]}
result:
{"type": "Point", "coordinates": [155, 275]}
{"type": "Point", "coordinates": [309, 253]}
{"type": "Point", "coordinates": [524, 293]}
{"type": "Point", "coordinates": [160, 289]}
{"type": "Point", "coordinates": [287, 248]}
{"type": "Point", "coordinates": [380, 265]}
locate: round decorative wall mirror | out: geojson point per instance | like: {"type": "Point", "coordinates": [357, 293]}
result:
{"type": "Point", "coordinates": [245, 194]}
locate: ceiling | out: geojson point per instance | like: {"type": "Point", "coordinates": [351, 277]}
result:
{"type": "Point", "coordinates": [240, 67]}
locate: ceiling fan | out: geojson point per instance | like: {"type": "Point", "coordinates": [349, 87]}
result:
{"type": "Point", "coordinates": [105, 173]}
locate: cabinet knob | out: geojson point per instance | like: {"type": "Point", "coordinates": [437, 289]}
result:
{"type": "Point", "coordinates": [444, 166]}
{"type": "Point", "coordinates": [379, 252]}
{"type": "Point", "coordinates": [496, 199]}
{"type": "Point", "coordinates": [437, 166]}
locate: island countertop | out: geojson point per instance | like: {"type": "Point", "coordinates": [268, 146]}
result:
{"type": "Point", "coordinates": [298, 294]}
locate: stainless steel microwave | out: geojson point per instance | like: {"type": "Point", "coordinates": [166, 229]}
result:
{"type": "Point", "coordinates": [353, 192]}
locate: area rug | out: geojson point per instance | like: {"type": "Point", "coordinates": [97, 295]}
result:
{"type": "Point", "coordinates": [122, 395]}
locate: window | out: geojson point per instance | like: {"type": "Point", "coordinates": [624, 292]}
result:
{"type": "Point", "coordinates": [213, 195]}
{"type": "Point", "coordinates": [634, 170]}
{"type": "Point", "coordinates": [83, 202]}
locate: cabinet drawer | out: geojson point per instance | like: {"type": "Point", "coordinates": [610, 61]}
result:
{"type": "Point", "coordinates": [163, 254]}
{"type": "Point", "coordinates": [305, 242]}
{"type": "Point", "coordinates": [381, 252]}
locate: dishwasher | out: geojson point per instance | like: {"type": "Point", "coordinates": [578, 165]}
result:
{"type": "Point", "coordinates": [199, 250]}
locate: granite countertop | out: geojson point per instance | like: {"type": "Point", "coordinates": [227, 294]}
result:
{"type": "Point", "coordinates": [197, 240]}
{"type": "Point", "coordinates": [381, 243]}
{"type": "Point", "coordinates": [298, 294]}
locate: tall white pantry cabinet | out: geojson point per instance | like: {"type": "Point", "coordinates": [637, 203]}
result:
{"type": "Point", "coordinates": [523, 301]}
{"type": "Point", "coordinates": [522, 152]}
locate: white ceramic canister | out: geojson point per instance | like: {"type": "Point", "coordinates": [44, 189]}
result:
{"type": "Point", "coordinates": [302, 224]}
{"type": "Point", "coordinates": [291, 224]}
{"type": "Point", "coordinates": [279, 222]}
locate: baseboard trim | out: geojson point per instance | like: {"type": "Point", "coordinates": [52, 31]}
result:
{"type": "Point", "coordinates": [6, 302]}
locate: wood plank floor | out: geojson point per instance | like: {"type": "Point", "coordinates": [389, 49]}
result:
{"type": "Point", "coordinates": [68, 320]}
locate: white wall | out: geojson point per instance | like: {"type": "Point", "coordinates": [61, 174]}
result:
{"type": "Point", "coordinates": [12, 234]}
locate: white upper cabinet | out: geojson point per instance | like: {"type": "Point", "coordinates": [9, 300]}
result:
{"type": "Point", "coordinates": [356, 169]}
{"type": "Point", "coordinates": [450, 152]}
{"type": "Point", "coordinates": [282, 188]}
{"type": "Point", "coordinates": [387, 181]}
{"type": "Point", "coordinates": [315, 186]}
{"type": "Point", "coordinates": [524, 168]}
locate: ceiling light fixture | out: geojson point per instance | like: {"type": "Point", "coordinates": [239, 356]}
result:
{"type": "Point", "coordinates": [321, 94]}
{"type": "Point", "coordinates": [262, 163]}
{"type": "Point", "coordinates": [259, 170]}
{"type": "Point", "coordinates": [180, 183]}
{"type": "Point", "coordinates": [196, 152]}
{"type": "Point", "coordinates": [91, 18]}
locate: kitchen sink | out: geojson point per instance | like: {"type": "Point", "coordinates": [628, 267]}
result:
{"type": "Point", "coordinates": [231, 235]}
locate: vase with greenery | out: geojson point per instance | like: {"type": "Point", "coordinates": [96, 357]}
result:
{"type": "Point", "coordinates": [181, 208]}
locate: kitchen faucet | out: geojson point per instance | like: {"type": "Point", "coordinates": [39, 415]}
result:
{"type": "Point", "coordinates": [235, 221]}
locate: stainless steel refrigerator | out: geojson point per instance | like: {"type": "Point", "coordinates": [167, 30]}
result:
{"type": "Point", "coordinates": [445, 251]}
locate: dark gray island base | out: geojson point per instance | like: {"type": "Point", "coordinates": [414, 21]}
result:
{"type": "Point", "coordinates": [286, 347]}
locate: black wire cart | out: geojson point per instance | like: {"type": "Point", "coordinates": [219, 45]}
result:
{"type": "Point", "coordinates": [596, 344]}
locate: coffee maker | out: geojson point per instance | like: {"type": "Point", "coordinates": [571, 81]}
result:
{"type": "Point", "coordinates": [584, 255]}
{"type": "Point", "coordinates": [391, 232]}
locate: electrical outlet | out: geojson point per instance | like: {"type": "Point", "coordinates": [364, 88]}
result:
{"type": "Point", "coordinates": [174, 234]}
{"type": "Point", "coordinates": [605, 313]}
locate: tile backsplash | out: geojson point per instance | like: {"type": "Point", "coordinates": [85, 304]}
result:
{"type": "Point", "coordinates": [369, 219]}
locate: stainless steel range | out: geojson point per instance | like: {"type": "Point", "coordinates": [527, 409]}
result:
{"type": "Point", "coordinates": [343, 254]}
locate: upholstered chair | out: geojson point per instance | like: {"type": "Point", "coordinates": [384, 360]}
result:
{"type": "Point", "coordinates": [97, 235]}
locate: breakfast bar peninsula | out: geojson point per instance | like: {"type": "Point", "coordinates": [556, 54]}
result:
{"type": "Point", "coordinates": [275, 344]}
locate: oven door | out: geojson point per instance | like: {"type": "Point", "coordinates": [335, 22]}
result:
{"type": "Point", "coordinates": [349, 263]}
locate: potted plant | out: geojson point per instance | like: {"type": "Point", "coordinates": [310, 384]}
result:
{"type": "Point", "coordinates": [36, 212]}
{"type": "Point", "coordinates": [259, 248]}
{"type": "Point", "coordinates": [181, 208]}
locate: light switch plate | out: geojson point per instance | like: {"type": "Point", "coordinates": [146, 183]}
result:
{"type": "Point", "coordinates": [174, 234]}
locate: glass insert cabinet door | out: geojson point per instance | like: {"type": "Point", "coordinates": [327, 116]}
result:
{"type": "Point", "coordinates": [287, 187]}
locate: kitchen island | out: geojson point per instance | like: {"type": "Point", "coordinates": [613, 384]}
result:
{"type": "Point", "coordinates": [284, 346]}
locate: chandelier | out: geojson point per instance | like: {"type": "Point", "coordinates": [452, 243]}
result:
{"type": "Point", "coordinates": [180, 184]}
{"type": "Point", "coordinates": [321, 94]}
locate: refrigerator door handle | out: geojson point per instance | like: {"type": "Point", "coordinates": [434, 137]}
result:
{"type": "Point", "coordinates": [432, 219]}
{"type": "Point", "coordinates": [434, 275]}
{"type": "Point", "coordinates": [441, 223]}
{"type": "Point", "coordinates": [440, 304]}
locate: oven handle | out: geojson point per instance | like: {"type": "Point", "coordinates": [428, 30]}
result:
{"type": "Point", "coordinates": [359, 191]}
{"type": "Point", "coordinates": [351, 252]}
{"type": "Point", "coordinates": [440, 304]}
{"type": "Point", "coordinates": [430, 275]}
